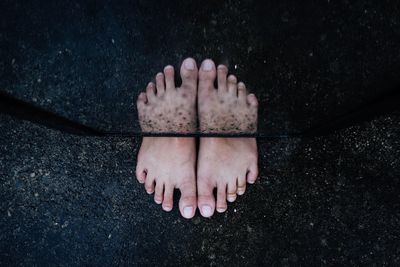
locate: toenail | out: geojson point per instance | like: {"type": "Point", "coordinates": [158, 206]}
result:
{"type": "Point", "coordinates": [206, 211]}
{"type": "Point", "coordinates": [231, 198]}
{"type": "Point", "coordinates": [187, 211]}
{"type": "Point", "coordinates": [167, 208]}
{"type": "Point", "coordinates": [232, 78]}
{"type": "Point", "coordinates": [221, 209]}
{"type": "Point", "coordinates": [251, 181]}
{"type": "Point", "coordinates": [189, 64]}
{"type": "Point", "coordinates": [168, 68]}
{"type": "Point", "coordinates": [207, 65]}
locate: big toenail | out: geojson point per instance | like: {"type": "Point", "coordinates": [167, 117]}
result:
{"type": "Point", "coordinates": [206, 210]}
{"type": "Point", "coordinates": [189, 64]}
{"type": "Point", "coordinates": [207, 65]}
{"type": "Point", "coordinates": [187, 211]}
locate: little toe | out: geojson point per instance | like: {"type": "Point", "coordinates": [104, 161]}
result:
{"type": "Point", "coordinates": [141, 102]}
{"type": "Point", "coordinates": [169, 78]}
{"type": "Point", "coordinates": [207, 76]}
{"type": "Point", "coordinates": [241, 187]}
{"type": "Point", "coordinates": [252, 174]}
{"type": "Point", "coordinates": [252, 100]}
{"type": "Point", "coordinates": [242, 93]}
{"type": "Point", "coordinates": [168, 203]}
{"type": "Point", "coordinates": [158, 192]}
{"type": "Point", "coordinates": [232, 85]}
{"type": "Point", "coordinates": [187, 203]}
{"type": "Point", "coordinates": [222, 83]}
{"type": "Point", "coordinates": [221, 198]}
{"type": "Point", "coordinates": [151, 92]}
{"type": "Point", "coordinates": [189, 74]}
{"type": "Point", "coordinates": [205, 199]}
{"type": "Point", "coordinates": [232, 191]}
{"type": "Point", "coordinates": [140, 175]}
{"type": "Point", "coordinates": [160, 83]}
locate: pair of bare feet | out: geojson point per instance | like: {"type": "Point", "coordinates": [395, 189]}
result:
{"type": "Point", "coordinates": [168, 163]}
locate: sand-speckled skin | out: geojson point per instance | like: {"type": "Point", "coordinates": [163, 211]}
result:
{"type": "Point", "coordinates": [173, 112]}
{"type": "Point", "coordinates": [225, 114]}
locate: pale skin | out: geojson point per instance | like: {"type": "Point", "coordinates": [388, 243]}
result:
{"type": "Point", "coordinates": [166, 163]}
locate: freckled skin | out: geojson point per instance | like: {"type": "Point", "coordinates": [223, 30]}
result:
{"type": "Point", "coordinates": [223, 114]}
{"type": "Point", "coordinates": [171, 113]}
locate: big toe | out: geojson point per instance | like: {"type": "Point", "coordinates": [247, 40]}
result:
{"type": "Point", "coordinates": [207, 74]}
{"type": "Point", "coordinates": [189, 73]}
{"type": "Point", "coordinates": [205, 199]}
{"type": "Point", "coordinates": [187, 203]}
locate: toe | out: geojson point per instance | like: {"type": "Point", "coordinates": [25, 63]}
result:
{"type": "Point", "coordinates": [187, 203]}
{"type": "Point", "coordinates": [141, 101]}
{"type": "Point", "coordinates": [158, 193]}
{"type": "Point", "coordinates": [241, 187]}
{"type": "Point", "coordinates": [222, 83]}
{"type": "Point", "coordinates": [252, 174]}
{"type": "Point", "coordinates": [169, 78]}
{"type": "Point", "coordinates": [189, 74]}
{"type": "Point", "coordinates": [252, 100]}
{"type": "Point", "coordinates": [232, 85]}
{"type": "Point", "coordinates": [232, 190]}
{"type": "Point", "coordinates": [168, 203]}
{"type": "Point", "coordinates": [205, 198]}
{"type": "Point", "coordinates": [140, 175]}
{"type": "Point", "coordinates": [149, 184]}
{"type": "Point", "coordinates": [160, 83]}
{"type": "Point", "coordinates": [242, 93]}
{"type": "Point", "coordinates": [221, 198]}
{"type": "Point", "coordinates": [150, 92]}
{"type": "Point", "coordinates": [207, 76]}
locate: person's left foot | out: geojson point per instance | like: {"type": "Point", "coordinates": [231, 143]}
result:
{"type": "Point", "coordinates": [165, 163]}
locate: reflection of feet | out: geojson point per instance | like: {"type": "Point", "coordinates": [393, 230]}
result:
{"type": "Point", "coordinates": [167, 163]}
{"type": "Point", "coordinates": [226, 110]}
{"type": "Point", "coordinates": [224, 163]}
{"type": "Point", "coordinates": [164, 108]}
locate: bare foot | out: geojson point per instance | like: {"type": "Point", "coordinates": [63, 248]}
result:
{"type": "Point", "coordinates": [224, 163]}
{"type": "Point", "coordinates": [165, 163]}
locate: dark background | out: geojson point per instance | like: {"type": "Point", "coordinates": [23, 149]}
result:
{"type": "Point", "coordinates": [306, 62]}
{"type": "Point", "coordinates": [73, 200]}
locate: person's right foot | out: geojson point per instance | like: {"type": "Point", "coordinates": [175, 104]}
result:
{"type": "Point", "coordinates": [224, 163]}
